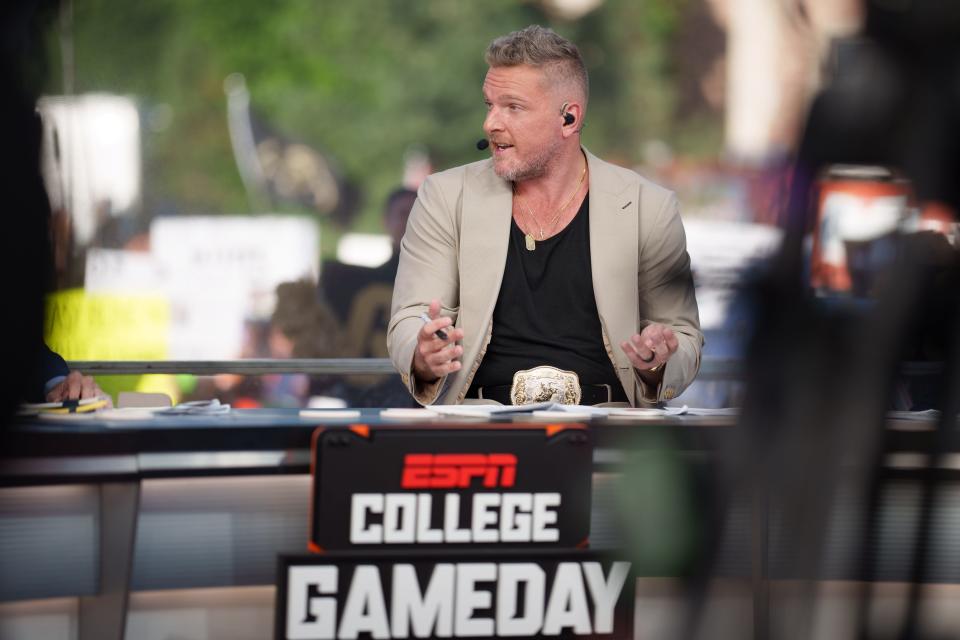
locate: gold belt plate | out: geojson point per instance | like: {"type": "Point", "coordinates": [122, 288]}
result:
{"type": "Point", "coordinates": [545, 384]}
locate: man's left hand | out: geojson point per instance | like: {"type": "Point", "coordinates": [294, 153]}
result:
{"type": "Point", "coordinates": [651, 347]}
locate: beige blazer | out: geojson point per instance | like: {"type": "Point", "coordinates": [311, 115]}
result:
{"type": "Point", "coordinates": [455, 249]}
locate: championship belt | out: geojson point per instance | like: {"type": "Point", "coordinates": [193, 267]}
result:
{"type": "Point", "coordinates": [545, 384]}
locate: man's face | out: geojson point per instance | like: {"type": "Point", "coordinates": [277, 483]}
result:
{"type": "Point", "coordinates": [522, 123]}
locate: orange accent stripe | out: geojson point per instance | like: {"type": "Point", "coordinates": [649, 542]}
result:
{"type": "Point", "coordinates": [361, 430]}
{"type": "Point", "coordinates": [315, 548]}
{"type": "Point", "coordinates": [554, 429]}
{"type": "Point", "coordinates": [583, 544]}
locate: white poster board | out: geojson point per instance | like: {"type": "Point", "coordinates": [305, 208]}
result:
{"type": "Point", "coordinates": [216, 271]}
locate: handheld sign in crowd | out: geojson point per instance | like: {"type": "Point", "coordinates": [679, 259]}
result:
{"type": "Point", "coordinates": [452, 532]}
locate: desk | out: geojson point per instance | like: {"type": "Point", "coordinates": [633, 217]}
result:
{"type": "Point", "coordinates": [92, 510]}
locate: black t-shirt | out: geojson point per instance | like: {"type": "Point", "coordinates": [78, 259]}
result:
{"type": "Point", "coordinates": [546, 312]}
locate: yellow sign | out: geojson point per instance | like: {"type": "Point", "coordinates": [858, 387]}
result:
{"type": "Point", "coordinates": [100, 326]}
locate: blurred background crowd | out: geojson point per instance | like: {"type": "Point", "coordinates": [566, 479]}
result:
{"type": "Point", "coordinates": [230, 179]}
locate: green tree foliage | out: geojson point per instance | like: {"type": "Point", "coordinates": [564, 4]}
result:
{"type": "Point", "coordinates": [361, 80]}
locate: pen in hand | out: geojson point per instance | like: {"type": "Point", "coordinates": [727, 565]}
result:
{"type": "Point", "coordinates": [440, 333]}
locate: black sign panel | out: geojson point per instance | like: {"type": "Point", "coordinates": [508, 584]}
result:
{"type": "Point", "coordinates": [533, 594]}
{"type": "Point", "coordinates": [487, 485]}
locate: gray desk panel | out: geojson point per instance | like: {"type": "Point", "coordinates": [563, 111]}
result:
{"type": "Point", "coordinates": [49, 541]}
{"type": "Point", "coordinates": [205, 532]}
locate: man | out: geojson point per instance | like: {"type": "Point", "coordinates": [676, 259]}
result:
{"type": "Point", "coordinates": [56, 383]}
{"type": "Point", "coordinates": [543, 255]}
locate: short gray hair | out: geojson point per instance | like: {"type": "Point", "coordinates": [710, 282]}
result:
{"type": "Point", "coordinates": [542, 48]}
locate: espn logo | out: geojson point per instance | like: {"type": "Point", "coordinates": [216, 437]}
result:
{"type": "Point", "coordinates": [457, 470]}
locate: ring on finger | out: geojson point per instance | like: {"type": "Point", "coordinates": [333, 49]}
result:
{"type": "Point", "coordinates": [653, 354]}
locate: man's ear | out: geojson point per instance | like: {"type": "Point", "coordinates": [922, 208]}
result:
{"type": "Point", "coordinates": [572, 113]}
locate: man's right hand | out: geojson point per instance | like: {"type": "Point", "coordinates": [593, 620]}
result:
{"type": "Point", "coordinates": [434, 358]}
{"type": "Point", "coordinates": [75, 386]}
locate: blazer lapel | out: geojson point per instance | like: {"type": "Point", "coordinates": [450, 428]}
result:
{"type": "Point", "coordinates": [487, 212]}
{"type": "Point", "coordinates": [614, 247]}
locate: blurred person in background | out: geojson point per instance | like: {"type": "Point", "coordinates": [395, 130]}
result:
{"type": "Point", "coordinates": [344, 285]}
{"type": "Point", "coordinates": [302, 326]}
{"type": "Point", "coordinates": [524, 261]}
{"type": "Point", "coordinates": [360, 298]}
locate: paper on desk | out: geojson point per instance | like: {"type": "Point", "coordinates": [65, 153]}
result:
{"type": "Point", "coordinates": [409, 414]}
{"type": "Point", "coordinates": [68, 417]}
{"type": "Point", "coordinates": [725, 411]}
{"type": "Point", "coordinates": [86, 405]}
{"type": "Point", "coordinates": [544, 410]}
{"type": "Point", "coordinates": [630, 412]}
{"type": "Point", "coordinates": [567, 414]}
{"type": "Point", "coordinates": [928, 414]}
{"type": "Point", "coordinates": [554, 410]}
{"type": "Point", "coordinates": [129, 413]}
{"type": "Point", "coordinates": [487, 410]}
{"type": "Point", "coordinates": [195, 408]}
{"type": "Point", "coordinates": [646, 412]}
{"type": "Point", "coordinates": [330, 414]}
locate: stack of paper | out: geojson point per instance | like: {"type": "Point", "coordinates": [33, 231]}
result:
{"type": "Point", "coordinates": [65, 406]}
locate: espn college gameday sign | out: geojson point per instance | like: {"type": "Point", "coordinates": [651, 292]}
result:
{"type": "Point", "coordinates": [452, 532]}
{"type": "Point", "coordinates": [382, 488]}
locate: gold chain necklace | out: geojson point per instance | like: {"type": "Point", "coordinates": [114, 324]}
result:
{"type": "Point", "coordinates": [528, 238]}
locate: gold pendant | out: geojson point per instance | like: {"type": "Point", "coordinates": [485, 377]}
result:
{"type": "Point", "coordinates": [531, 245]}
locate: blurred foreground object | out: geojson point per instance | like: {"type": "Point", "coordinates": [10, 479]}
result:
{"type": "Point", "coordinates": [808, 456]}
{"type": "Point", "coordinates": [24, 243]}
{"type": "Point", "coordinates": [860, 210]}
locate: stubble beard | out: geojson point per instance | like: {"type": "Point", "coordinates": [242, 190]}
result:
{"type": "Point", "coordinates": [535, 167]}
